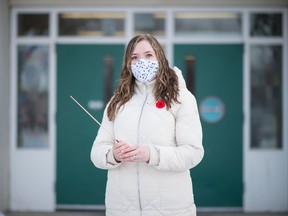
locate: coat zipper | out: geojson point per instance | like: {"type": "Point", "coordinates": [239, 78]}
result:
{"type": "Point", "coordinates": [138, 130]}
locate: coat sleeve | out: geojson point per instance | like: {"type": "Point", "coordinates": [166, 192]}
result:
{"type": "Point", "coordinates": [101, 153]}
{"type": "Point", "coordinates": [188, 150]}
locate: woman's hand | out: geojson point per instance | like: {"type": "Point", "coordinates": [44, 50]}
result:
{"type": "Point", "coordinates": [130, 153]}
{"type": "Point", "coordinates": [118, 149]}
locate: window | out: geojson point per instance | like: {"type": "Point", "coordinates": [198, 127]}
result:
{"type": "Point", "coordinates": [33, 24]}
{"type": "Point", "coordinates": [266, 96]}
{"type": "Point", "coordinates": [207, 24]}
{"type": "Point", "coordinates": [91, 24]}
{"type": "Point", "coordinates": [263, 24]}
{"type": "Point", "coordinates": [32, 118]}
{"type": "Point", "coordinates": [152, 23]}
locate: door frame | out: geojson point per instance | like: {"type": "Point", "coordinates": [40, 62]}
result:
{"type": "Point", "coordinates": [258, 157]}
{"type": "Point", "coordinates": [168, 41]}
{"type": "Point", "coordinates": [22, 195]}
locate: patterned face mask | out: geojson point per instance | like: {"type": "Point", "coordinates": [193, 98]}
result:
{"type": "Point", "coordinates": [145, 70]}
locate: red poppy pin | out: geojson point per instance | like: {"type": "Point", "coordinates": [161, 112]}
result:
{"type": "Point", "coordinates": [160, 104]}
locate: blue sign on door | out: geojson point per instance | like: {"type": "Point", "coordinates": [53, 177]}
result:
{"type": "Point", "coordinates": [212, 109]}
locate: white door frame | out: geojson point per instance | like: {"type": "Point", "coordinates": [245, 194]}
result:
{"type": "Point", "coordinates": [32, 175]}
{"type": "Point", "coordinates": [265, 170]}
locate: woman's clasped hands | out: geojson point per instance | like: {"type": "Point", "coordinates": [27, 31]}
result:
{"type": "Point", "coordinates": [122, 151]}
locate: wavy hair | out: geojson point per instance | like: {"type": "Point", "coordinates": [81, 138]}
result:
{"type": "Point", "coordinates": [166, 86]}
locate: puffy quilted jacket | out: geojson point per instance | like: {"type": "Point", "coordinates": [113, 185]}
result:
{"type": "Point", "coordinates": [163, 186]}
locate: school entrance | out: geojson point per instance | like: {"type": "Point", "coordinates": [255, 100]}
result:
{"type": "Point", "coordinates": [233, 60]}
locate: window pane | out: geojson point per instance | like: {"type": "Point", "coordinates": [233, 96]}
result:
{"type": "Point", "coordinates": [152, 23]}
{"type": "Point", "coordinates": [91, 24]}
{"type": "Point", "coordinates": [266, 24]}
{"type": "Point", "coordinates": [32, 96]}
{"type": "Point", "coordinates": [33, 24]}
{"type": "Point", "coordinates": [207, 24]}
{"type": "Point", "coordinates": [266, 96]}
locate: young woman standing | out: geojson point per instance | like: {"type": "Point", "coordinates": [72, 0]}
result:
{"type": "Point", "coordinates": [150, 137]}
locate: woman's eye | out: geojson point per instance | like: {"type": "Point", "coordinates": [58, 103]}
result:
{"type": "Point", "coordinates": [134, 58]}
{"type": "Point", "coordinates": [149, 55]}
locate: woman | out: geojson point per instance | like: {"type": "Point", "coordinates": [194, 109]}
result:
{"type": "Point", "coordinates": [150, 137]}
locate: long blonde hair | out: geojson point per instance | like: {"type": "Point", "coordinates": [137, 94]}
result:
{"type": "Point", "coordinates": [166, 86]}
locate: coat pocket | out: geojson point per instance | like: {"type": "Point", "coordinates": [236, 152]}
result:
{"type": "Point", "coordinates": [113, 193]}
{"type": "Point", "coordinates": [176, 191]}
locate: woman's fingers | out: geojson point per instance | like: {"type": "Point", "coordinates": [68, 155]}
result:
{"type": "Point", "coordinates": [118, 149]}
{"type": "Point", "coordinates": [136, 153]}
{"type": "Point", "coordinates": [130, 153]}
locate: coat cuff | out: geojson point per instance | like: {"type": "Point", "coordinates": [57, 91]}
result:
{"type": "Point", "coordinates": [110, 158]}
{"type": "Point", "coordinates": [154, 156]}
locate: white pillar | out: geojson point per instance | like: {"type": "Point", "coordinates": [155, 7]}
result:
{"type": "Point", "coordinates": [4, 105]}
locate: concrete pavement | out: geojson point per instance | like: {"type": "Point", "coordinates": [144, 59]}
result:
{"type": "Point", "coordinates": [101, 213]}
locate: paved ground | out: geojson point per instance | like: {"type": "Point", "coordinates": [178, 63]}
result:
{"type": "Point", "coordinates": [101, 213]}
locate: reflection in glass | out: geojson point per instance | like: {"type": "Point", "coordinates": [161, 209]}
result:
{"type": "Point", "coordinates": [266, 96]}
{"type": "Point", "coordinates": [91, 24]}
{"type": "Point", "coordinates": [190, 62]}
{"type": "Point", "coordinates": [152, 23]}
{"type": "Point", "coordinates": [207, 24]}
{"type": "Point", "coordinates": [32, 96]}
{"type": "Point", "coordinates": [33, 24]}
{"type": "Point", "coordinates": [266, 24]}
{"type": "Point", "coordinates": [109, 64]}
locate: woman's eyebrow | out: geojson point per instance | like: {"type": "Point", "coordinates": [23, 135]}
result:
{"type": "Point", "coordinates": [136, 54]}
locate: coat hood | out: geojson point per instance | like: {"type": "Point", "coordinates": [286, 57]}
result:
{"type": "Point", "coordinates": [182, 83]}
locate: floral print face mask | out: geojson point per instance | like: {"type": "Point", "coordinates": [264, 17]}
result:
{"type": "Point", "coordinates": [145, 70]}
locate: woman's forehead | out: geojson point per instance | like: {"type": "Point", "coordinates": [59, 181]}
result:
{"type": "Point", "coordinates": [142, 47]}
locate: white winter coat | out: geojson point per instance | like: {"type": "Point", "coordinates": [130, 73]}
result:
{"type": "Point", "coordinates": [163, 186]}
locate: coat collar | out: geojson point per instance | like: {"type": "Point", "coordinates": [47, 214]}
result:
{"type": "Point", "coordinates": [144, 88]}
